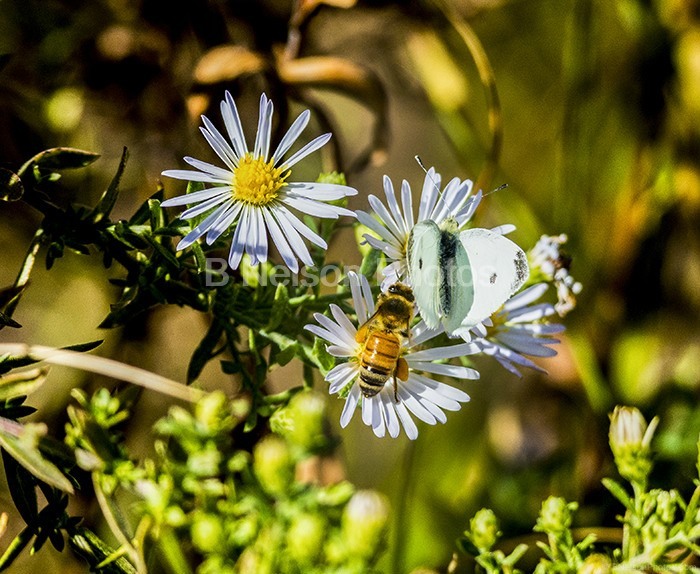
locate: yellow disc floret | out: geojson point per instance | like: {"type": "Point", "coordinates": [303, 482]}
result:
{"type": "Point", "coordinates": [256, 181]}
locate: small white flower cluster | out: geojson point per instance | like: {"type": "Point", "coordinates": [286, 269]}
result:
{"type": "Point", "coordinates": [547, 257]}
{"type": "Point", "coordinates": [254, 192]}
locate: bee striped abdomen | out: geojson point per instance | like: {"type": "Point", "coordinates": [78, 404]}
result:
{"type": "Point", "coordinates": [378, 361]}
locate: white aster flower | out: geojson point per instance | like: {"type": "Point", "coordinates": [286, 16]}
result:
{"type": "Point", "coordinates": [396, 221]}
{"type": "Point", "coordinates": [253, 190]}
{"type": "Point", "coordinates": [548, 259]}
{"type": "Point", "coordinates": [420, 395]}
{"type": "Point", "coordinates": [520, 328]}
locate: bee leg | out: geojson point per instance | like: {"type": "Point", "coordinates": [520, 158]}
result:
{"type": "Point", "coordinates": [401, 372]}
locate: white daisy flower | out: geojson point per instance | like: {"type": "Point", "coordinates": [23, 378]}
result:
{"type": "Point", "coordinates": [253, 191]}
{"type": "Point", "coordinates": [520, 328]}
{"type": "Point", "coordinates": [549, 261]}
{"type": "Point", "coordinates": [396, 221]}
{"type": "Point", "coordinates": [419, 395]}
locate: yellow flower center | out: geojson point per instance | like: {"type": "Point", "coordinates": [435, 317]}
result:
{"type": "Point", "coordinates": [256, 181]}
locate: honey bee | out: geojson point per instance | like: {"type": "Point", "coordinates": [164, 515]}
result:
{"type": "Point", "coordinates": [382, 336]}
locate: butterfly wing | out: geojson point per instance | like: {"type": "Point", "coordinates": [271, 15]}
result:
{"type": "Point", "coordinates": [457, 285]}
{"type": "Point", "coordinates": [423, 256]}
{"type": "Point", "coordinates": [499, 268]}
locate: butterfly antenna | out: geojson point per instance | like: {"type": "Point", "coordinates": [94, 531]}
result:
{"type": "Point", "coordinates": [440, 200]}
{"type": "Point", "coordinates": [499, 188]}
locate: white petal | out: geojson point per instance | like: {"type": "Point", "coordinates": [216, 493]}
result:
{"type": "Point", "coordinates": [417, 385]}
{"type": "Point", "coordinates": [526, 296]}
{"type": "Point", "coordinates": [213, 170]}
{"type": "Point", "coordinates": [204, 206]}
{"type": "Point", "coordinates": [189, 175]}
{"type": "Point", "coordinates": [219, 143]}
{"type": "Point", "coordinates": [531, 313]}
{"type": "Point", "coordinates": [350, 406]}
{"type": "Point", "coordinates": [223, 223]}
{"type": "Point", "coordinates": [197, 196]}
{"type": "Point", "coordinates": [309, 148]}
{"type": "Point", "coordinates": [397, 216]}
{"type": "Point", "coordinates": [359, 302]}
{"type": "Point", "coordinates": [343, 377]}
{"type": "Point", "coordinates": [435, 410]}
{"type": "Point", "coordinates": [320, 191]}
{"type": "Point", "coordinates": [450, 352]}
{"type": "Point", "coordinates": [254, 244]}
{"type": "Point", "coordinates": [468, 210]}
{"type": "Point", "coordinates": [340, 336]}
{"type": "Point", "coordinates": [367, 409]}
{"type": "Point", "coordinates": [281, 242]}
{"type": "Point", "coordinates": [316, 208]}
{"type": "Point", "coordinates": [504, 229]}
{"type": "Point", "coordinates": [407, 204]}
{"type": "Point", "coordinates": [337, 351]}
{"type": "Point", "coordinates": [301, 227]}
{"type": "Point", "coordinates": [412, 403]}
{"type": "Point", "coordinates": [262, 137]}
{"type": "Point", "coordinates": [455, 371]}
{"type": "Point", "coordinates": [342, 320]}
{"type": "Point", "coordinates": [232, 121]}
{"type": "Point", "coordinates": [407, 422]}
{"type": "Point", "coordinates": [291, 136]}
{"type": "Point", "coordinates": [386, 218]}
{"type": "Point", "coordinates": [444, 390]}
{"type": "Point", "coordinates": [429, 194]}
{"type": "Point", "coordinates": [295, 240]}
{"type": "Point", "coordinates": [392, 421]}
{"type": "Point", "coordinates": [202, 228]}
{"type": "Point", "coordinates": [238, 243]}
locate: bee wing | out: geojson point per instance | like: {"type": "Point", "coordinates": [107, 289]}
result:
{"type": "Point", "coordinates": [423, 256]}
{"type": "Point", "coordinates": [499, 268]}
{"type": "Point", "coordinates": [368, 325]}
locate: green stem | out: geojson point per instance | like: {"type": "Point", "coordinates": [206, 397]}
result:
{"type": "Point", "coordinates": [113, 523]}
{"type": "Point", "coordinates": [401, 520]}
{"type": "Point", "coordinates": [171, 550]}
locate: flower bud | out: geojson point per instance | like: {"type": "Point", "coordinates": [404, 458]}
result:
{"type": "Point", "coordinates": [630, 439]}
{"type": "Point", "coordinates": [301, 421]}
{"type": "Point", "coordinates": [364, 523]}
{"type": "Point", "coordinates": [209, 409]}
{"type": "Point", "coordinates": [555, 516]}
{"type": "Point", "coordinates": [206, 531]}
{"type": "Point", "coordinates": [273, 465]}
{"type": "Point", "coordinates": [305, 537]}
{"type": "Point", "coordinates": [483, 530]}
{"type": "Point", "coordinates": [596, 564]}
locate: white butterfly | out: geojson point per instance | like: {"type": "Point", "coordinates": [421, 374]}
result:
{"type": "Point", "coordinates": [460, 278]}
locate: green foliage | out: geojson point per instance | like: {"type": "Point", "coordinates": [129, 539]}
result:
{"type": "Point", "coordinates": [659, 531]}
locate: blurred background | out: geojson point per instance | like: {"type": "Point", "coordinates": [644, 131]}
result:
{"type": "Point", "coordinates": [588, 110]}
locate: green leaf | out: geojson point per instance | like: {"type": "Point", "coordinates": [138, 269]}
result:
{"type": "Point", "coordinates": [21, 384]}
{"type": "Point", "coordinates": [618, 492]}
{"type": "Point", "coordinates": [7, 321]}
{"type": "Point", "coordinates": [280, 305]}
{"type": "Point", "coordinates": [28, 455]}
{"type": "Point", "coordinates": [11, 187]}
{"type": "Point", "coordinates": [22, 488]}
{"type": "Point", "coordinates": [91, 547]}
{"type": "Point", "coordinates": [467, 547]}
{"type": "Point", "coordinates": [18, 544]}
{"type": "Point", "coordinates": [370, 263]}
{"type": "Point", "coordinates": [204, 351]}
{"type": "Point", "coordinates": [109, 197]}
{"type": "Point", "coordinates": [60, 158]}
{"type": "Point", "coordinates": [323, 358]}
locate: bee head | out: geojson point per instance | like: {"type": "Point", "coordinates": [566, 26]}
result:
{"type": "Point", "coordinates": [401, 290]}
